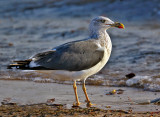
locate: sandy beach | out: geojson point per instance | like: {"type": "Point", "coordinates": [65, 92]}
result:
{"type": "Point", "coordinates": [18, 93]}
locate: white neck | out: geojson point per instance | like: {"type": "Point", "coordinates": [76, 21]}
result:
{"type": "Point", "coordinates": [98, 33]}
{"type": "Point", "coordinates": [101, 35]}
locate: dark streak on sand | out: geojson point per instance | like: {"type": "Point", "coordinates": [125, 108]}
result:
{"type": "Point", "coordinates": [44, 110]}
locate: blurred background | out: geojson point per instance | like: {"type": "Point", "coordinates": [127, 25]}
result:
{"type": "Point", "coordinates": [31, 26]}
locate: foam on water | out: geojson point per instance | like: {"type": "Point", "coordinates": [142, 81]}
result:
{"type": "Point", "coordinates": [138, 80]}
{"type": "Point", "coordinates": [144, 82]}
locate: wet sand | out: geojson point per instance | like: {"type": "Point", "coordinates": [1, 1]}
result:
{"type": "Point", "coordinates": [35, 95]}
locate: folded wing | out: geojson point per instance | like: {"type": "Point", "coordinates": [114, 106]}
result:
{"type": "Point", "coordinates": [72, 56]}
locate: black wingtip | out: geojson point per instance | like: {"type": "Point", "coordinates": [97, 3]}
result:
{"type": "Point", "coordinates": [20, 64]}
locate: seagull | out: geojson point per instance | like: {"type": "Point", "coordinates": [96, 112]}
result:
{"type": "Point", "coordinates": [76, 60]}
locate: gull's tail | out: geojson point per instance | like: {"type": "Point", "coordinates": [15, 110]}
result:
{"type": "Point", "coordinates": [22, 64]}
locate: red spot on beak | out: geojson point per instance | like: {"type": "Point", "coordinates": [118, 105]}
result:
{"type": "Point", "coordinates": [120, 27]}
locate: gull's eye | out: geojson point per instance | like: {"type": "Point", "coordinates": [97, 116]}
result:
{"type": "Point", "coordinates": [103, 21]}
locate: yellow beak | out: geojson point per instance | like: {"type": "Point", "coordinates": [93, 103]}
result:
{"type": "Point", "coordinates": [118, 25]}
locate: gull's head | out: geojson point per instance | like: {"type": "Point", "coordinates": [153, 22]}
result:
{"type": "Point", "coordinates": [103, 23]}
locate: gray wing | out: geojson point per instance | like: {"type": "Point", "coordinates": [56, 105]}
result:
{"type": "Point", "coordinates": [74, 56]}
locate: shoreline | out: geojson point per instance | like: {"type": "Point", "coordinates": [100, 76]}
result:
{"type": "Point", "coordinates": [27, 92]}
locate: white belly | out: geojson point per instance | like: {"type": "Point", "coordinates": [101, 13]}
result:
{"type": "Point", "coordinates": [79, 75]}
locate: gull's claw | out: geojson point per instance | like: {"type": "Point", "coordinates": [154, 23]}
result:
{"type": "Point", "coordinates": [76, 104]}
{"type": "Point", "coordinates": [89, 104]}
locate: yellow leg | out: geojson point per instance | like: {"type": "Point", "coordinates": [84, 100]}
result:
{"type": "Point", "coordinates": [87, 98]}
{"type": "Point", "coordinates": [76, 95]}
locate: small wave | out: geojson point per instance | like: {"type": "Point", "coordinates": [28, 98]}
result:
{"type": "Point", "coordinates": [146, 82]}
